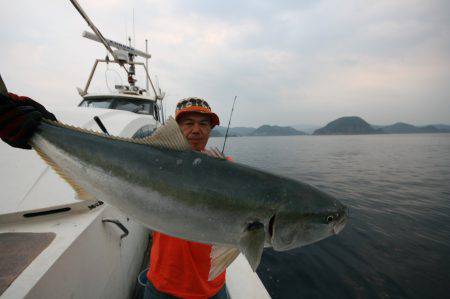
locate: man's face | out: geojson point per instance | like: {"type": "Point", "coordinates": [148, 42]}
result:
{"type": "Point", "coordinates": [196, 127]}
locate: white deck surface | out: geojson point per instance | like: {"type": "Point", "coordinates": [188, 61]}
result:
{"type": "Point", "coordinates": [243, 283]}
{"type": "Point", "coordinates": [87, 258]}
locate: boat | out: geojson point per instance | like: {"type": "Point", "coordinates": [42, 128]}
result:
{"type": "Point", "coordinates": [55, 246]}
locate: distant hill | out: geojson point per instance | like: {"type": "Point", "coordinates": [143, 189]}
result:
{"type": "Point", "coordinates": [429, 129]}
{"type": "Point", "coordinates": [242, 131]}
{"type": "Point", "coordinates": [349, 125]}
{"type": "Point", "coordinates": [267, 130]}
{"type": "Point", "coordinates": [404, 128]}
{"type": "Point", "coordinates": [216, 133]}
{"type": "Point", "coordinates": [308, 129]}
{"type": "Point", "coordinates": [442, 127]}
{"type": "Point", "coordinates": [399, 128]}
{"type": "Point", "coordinates": [220, 131]}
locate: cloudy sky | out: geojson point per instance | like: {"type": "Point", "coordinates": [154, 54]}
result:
{"type": "Point", "coordinates": [289, 62]}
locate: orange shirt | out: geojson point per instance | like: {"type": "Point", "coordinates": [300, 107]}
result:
{"type": "Point", "coordinates": [181, 268]}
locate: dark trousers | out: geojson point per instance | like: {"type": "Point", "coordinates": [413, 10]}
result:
{"type": "Point", "coordinates": [152, 293]}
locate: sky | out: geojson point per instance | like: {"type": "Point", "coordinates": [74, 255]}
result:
{"type": "Point", "coordinates": [288, 62]}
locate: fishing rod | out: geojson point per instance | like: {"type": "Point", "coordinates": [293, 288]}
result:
{"type": "Point", "coordinates": [229, 122]}
{"type": "Point", "coordinates": [93, 27]}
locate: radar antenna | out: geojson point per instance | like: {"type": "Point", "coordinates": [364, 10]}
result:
{"type": "Point", "coordinates": [122, 55]}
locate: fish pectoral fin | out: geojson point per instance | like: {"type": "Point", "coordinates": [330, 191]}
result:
{"type": "Point", "coordinates": [168, 136]}
{"type": "Point", "coordinates": [252, 243]}
{"type": "Point", "coordinates": [80, 192]}
{"type": "Point", "coordinates": [221, 258]}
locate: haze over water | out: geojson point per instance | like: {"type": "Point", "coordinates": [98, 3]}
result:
{"type": "Point", "coordinates": [397, 241]}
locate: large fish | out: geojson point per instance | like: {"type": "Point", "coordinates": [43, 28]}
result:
{"type": "Point", "coordinates": [160, 182]}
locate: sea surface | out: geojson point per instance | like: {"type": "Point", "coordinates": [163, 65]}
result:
{"type": "Point", "coordinates": [397, 241]}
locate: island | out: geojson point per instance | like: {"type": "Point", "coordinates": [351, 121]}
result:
{"type": "Point", "coordinates": [220, 131]}
{"type": "Point", "coordinates": [404, 128]}
{"type": "Point", "coordinates": [216, 133]}
{"type": "Point", "coordinates": [264, 130]}
{"type": "Point", "coordinates": [267, 130]}
{"type": "Point", "coordinates": [348, 125]}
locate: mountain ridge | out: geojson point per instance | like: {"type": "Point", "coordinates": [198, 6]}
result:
{"type": "Point", "coordinates": [355, 125]}
{"type": "Point", "coordinates": [347, 125]}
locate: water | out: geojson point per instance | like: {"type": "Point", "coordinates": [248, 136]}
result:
{"type": "Point", "coordinates": [397, 241]}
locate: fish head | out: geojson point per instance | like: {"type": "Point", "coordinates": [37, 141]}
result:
{"type": "Point", "coordinates": [306, 218]}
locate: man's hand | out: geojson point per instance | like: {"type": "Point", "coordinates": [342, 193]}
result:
{"type": "Point", "coordinates": [19, 118]}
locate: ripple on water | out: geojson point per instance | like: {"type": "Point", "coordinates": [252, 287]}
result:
{"type": "Point", "coordinates": [396, 244]}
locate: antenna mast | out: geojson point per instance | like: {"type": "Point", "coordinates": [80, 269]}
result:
{"type": "Point", "coordinates": [134, 32]}
{"type": "Point", "coordinates": [146, 62]}
{"type": "Point", "coordinates": [123, 55]}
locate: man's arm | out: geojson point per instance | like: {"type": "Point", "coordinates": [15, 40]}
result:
{"type": "Point", "coordinates": [19, 119]}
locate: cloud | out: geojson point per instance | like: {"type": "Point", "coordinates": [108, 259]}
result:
{"type": "Point", "coordinates": [288, 61]}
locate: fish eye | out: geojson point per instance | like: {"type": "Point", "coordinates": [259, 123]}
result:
{"type": "Point", "coordinates": [329, 218]}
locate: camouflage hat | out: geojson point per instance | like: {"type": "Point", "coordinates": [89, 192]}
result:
{"type": "Point", "coordinates": [196, 105]}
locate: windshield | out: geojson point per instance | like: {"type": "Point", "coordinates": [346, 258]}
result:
{"type": "Point", "coordinates": [104, 103]}
{"type": "Point", "coordinates": [144, 131]}
{"type": "Point", "coordinates": [127, 104]}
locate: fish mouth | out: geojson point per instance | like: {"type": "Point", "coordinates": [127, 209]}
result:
{"type": "Point", "coordinates": [339, 225]}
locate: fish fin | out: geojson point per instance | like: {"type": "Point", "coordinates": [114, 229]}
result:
{"type": "Point", "coordinates": [214, 152]}
{"type": "Point", "coordinates": [221, 258]}
{"type": "Point", "coordinates": [251, 243]}
{"type": "Point", "coordinates": [168, 136]}
{"type": "Point", "coordinates": [80, 192]}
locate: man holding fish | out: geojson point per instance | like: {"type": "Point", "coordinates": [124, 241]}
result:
{"type": "Point", "coordinates": [178, 268]}
{"type": "Point", "coordinates": [166, 183]}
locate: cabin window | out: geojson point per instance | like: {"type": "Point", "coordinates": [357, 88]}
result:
{"type": "Point", "coordinates": [143, 132]}
{"type": "Point", "coordinates": [100, 103]}
{"type": "Point", "coordinates": [135, 106]}
{"type": "Point", "coordinates": [127, 104]}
